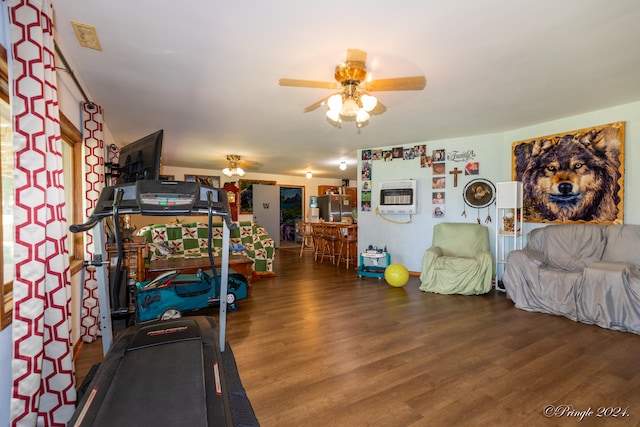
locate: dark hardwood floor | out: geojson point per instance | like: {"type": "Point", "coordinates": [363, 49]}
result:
{"type": "Point", "coordinates": [318, 346]}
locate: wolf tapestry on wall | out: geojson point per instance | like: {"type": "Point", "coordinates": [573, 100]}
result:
{"type": "Point", "coordinates": [575, 176]}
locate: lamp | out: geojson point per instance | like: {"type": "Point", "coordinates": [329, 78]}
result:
{"type": "Point", "coordinates": [309, 175]}
{"type": "Point", "coordinates": [351, 104]}
{"type": "Point", "coordinates": [343, 165]}
{"type": "Point", "coordinates": [233, 168]}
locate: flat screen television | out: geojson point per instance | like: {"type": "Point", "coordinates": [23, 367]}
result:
{"type": "Point", "coordinates": [141, 159]}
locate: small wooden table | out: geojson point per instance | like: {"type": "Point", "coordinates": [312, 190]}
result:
{"type": "Point", "coordinates": [239, 263]}
{"type": "Point", "coordinates": [132, 257]}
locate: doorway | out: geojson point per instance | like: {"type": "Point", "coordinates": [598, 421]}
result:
{"type": "Point", "coordinates": [277, 208]}
{"type": "Point", "coordinates": [291, 211]}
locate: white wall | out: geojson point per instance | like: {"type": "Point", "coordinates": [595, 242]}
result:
{"type": "Point", "coordinates": [408, 242]}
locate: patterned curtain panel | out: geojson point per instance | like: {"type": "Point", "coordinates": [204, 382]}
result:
{"type": "Point", "coordinates": [94, 153]}
{"type": "Point", "coordinates": [43, 391]}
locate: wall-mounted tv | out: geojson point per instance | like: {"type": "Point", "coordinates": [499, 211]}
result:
{"type": "Point", "coordinates": [141, 159]}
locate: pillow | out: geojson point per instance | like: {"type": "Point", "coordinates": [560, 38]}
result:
{"type": "Point", "coordinates": [163, 249]}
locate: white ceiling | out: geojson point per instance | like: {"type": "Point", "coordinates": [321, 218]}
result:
{"type": "Point", "coordinates": [207, 71]}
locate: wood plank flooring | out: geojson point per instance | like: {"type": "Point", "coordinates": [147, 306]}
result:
{"type": "Point", "coordinates": [318, 346]}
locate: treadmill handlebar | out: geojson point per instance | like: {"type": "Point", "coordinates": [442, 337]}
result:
{"type": "Point", "coordinates": [79, 228]}
{"type": "Point", "coordinates": [219, 208]}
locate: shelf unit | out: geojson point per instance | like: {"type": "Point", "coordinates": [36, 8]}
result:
{"type": "Point", "coordinates": [133, 255]}
{"type": "Point", "coordinates": [509, 227]}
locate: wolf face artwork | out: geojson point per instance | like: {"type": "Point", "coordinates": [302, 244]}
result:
{"type": "Point", "coordinates": [572, 177]}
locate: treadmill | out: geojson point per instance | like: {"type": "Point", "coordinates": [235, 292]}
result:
{"type": "Point", "coordinates": [160, 373]}
{"type": "Point", "coordinates": [166, 372]}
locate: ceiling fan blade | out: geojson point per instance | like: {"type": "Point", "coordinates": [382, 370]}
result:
{"type": "Point", "coordinates": [249, 165]}
{"type": "Point", "coordinates": [309, 83]}
{"type": "Point", "coordinates": [401, 83]}
{"type": "Point", "coordinates": [378, 109]}
{"type": "Point", "coordinates": [356, 55]}
{"type": "Point", "coordinates": [316, 104]}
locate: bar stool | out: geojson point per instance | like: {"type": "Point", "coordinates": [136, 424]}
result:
{"type": "Point", "coordinates": [348, 237]}
{"type": "Point", "coordinates": [317, 232]}
{"type": "Point", "coordinates": [306, 234]}
{"type": "Point", "coordinates": [331, 240]}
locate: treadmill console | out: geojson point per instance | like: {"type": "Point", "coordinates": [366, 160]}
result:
{"type": "Point", "coordinates": [128, 203]}
{"type": "Point", "coordinates": [162, 197]}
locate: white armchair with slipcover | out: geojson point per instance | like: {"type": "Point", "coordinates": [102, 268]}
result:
{"type": "Point", "coordinates": [459, 261]}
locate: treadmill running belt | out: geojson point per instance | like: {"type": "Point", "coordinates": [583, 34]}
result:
{"type": "Point", "coordinates": [168, 388]}
{"type": "Point", "coordinates": [160, 373]}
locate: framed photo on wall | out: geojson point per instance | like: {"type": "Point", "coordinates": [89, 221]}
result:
{"type": "Point", "coordinates": [573, 176]}
{"type": "Point", "coordinates": [211, 181]}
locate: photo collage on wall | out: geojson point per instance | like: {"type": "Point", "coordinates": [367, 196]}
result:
{"type": "Point", "coordinates": [438, 182]}
{"type": "Point", "coordinates": [437, 161]}
{"type": "Point", "coordinates": [396, 153]}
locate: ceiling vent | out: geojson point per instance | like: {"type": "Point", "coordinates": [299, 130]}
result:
{"type": "Point", "coordinates": [86, 35]}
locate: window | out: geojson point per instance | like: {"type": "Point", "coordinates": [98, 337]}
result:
{"type": "Point", "coordinates": [6, 178]}
{"type": "Point", "coordinates": [72, 158]}
{"type": "Point", "coordinates": [72, 166]}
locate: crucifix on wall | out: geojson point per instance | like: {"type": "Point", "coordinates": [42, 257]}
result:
{"type": "Point", "coordinates": [455, 172]}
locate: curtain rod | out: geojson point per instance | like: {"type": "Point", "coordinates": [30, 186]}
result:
{"type": "Point", "coordinates": [90, 104]}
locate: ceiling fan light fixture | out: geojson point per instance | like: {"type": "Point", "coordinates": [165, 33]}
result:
{"type": "Point", "coordinates": [349, 107]}
{"type": "Point", "coordinates": [368, 102]}
{"type": "Point", "coordinates": [335, 102]}
{"type": "Point", "coordinates": [352, 104]}
{"type": "Point", "coordinates": [362, 116]}
{"type": "Point", "coordinates": [333, 115]}
{"type": "Point", "coordinates": [233, 169]}
{"type": "Point", "coordinates": [233, 172]}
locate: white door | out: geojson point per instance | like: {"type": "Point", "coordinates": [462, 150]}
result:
{"type": "Point", "coordinates": [266, 209]}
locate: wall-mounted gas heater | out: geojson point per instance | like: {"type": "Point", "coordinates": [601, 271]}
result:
{"type": "Point", "coordinates": [398, 197]}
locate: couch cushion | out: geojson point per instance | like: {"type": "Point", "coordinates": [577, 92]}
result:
{"type": "Point", "coordinates": [569, 247]}
{"type": "Point", "coordinates": [623, 244]}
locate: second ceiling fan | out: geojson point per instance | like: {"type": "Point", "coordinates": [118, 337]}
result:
{"type": "Point", "coordinates": [353, 102]}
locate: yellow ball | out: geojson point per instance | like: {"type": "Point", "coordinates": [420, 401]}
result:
{"type": "Point", "coordinates": [396, 275]}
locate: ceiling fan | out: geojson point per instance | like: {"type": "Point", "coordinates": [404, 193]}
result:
{"type": "Point", "coordinates": [237, 166]}
{"type": "Point", "coordinates": [353, 101]}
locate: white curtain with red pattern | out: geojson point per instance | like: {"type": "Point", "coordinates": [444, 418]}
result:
{"type": "Point", "coordinates": [94, 181]}
{"type": "Point", "coordinates": [43, 391]}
